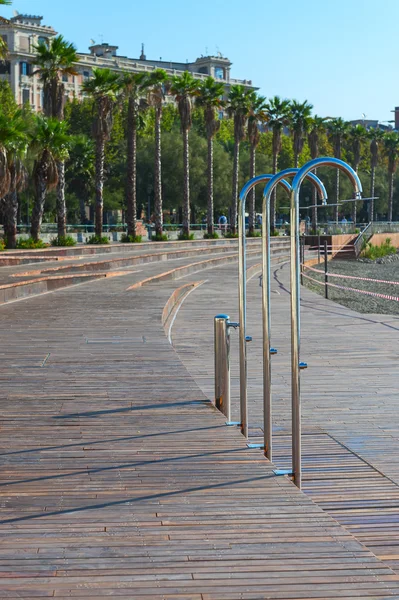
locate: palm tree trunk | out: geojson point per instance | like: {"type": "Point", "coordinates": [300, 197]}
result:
{"type": "Point", "coordinates": [336, 197]}
{"type": "Point", "coordinates": [131, 199]}
{"type": "Point", "coordinates": [38, 208]}
{"type": "Point", "coordinates": [390, 198]}
{"type": "Point", "coordinates": [186, 190]}
{"type": "Point", "coordinates": [210, 218]}
{"type": "Point", "coordinates": [100, 154]}
{"type": "Point", "coordinates": [274, 196]}
{"type": "Point", "coordinates": [158, 212]}
{"type": "Point", "coordinates": [314, 207]}
{"type": "Point", "coordinates": [296, 160]}
{"type": "Point", "coordinates": [10, 219]}
{"type": "Point", "coordinates": [61, 207]}
{"type": "Point", "coordinates": [251, 208]}
{"type": "Point", "coordinates": [234, 199]}
{"type": "Point", "coordinates": [372, 189]}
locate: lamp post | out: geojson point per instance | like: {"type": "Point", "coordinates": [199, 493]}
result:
{"type": "Point", "coordinates": [149, 192]}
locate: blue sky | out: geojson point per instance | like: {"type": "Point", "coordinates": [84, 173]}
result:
{"type": "Point", "coordinates": [341, 55]}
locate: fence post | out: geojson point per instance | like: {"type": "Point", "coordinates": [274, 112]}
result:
{"type": "Point", "coordinates": [325, 269]}
{"type": "Point", "coordinates": [222, 364]}
{"type": "Point", "coordinates": [318, 249]}
{"type": "Point", "coordinates": [302, 256]}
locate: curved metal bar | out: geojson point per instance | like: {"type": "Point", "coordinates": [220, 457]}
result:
{"type": "Point", "coordinates": [267, 395]}
{"type": "Point", "coordinates": [295, 298]}
{"type": "Point", "coordinates": [242, 292]}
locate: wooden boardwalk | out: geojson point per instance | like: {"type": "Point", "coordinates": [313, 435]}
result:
{"type": "Point", "coordinates": [120, 479]}
{"type": "Point", "coordinates": [349, 400]}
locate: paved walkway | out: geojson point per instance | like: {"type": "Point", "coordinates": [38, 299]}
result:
{"type": "Point", "coordinates": [119, 478]}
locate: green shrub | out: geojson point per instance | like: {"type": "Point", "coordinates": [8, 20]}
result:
{"type": "Point", "coordinates": [373, 252]}
{"type": "Point", "coordinates": [30, 244]}
{"type": "Point", "coordinates": [64, 240]}
{"type": "Point", "coordinates": [2, 245]}
{"type": "Point", "coordinates": [98, 239]}
{"type": "Point", "coordinates": [254, 234]}
{"type": "Point", "coordinates": [274, 233]}
{"type": "Point", "coordinates": [131, 239]}
{"type": "Point", "coordinates": [160, 237]}
{"type": "Point", "coordinates": [211, 236]}
{"type": "Point", "coordinates": [229, 234]}
{"type": "Point", "coordinates": [183, 236]}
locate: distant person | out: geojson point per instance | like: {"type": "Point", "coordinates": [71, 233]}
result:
{"type": "Point", "coordinates": [344, 221]}
{"type": "Point", "coordinates": [223, 222]}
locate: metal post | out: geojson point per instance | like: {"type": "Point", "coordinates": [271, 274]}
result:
{"type": "Point", "coordinates": [302, 239]}
{"type": "Point", "coordinates": [295, 300]}
{"type": "Point", "coordinates": [325, 269]}
{"type": "Point", "coordinates": [266, 299]}
{"type": "Point", "coordinates": [318, 249]}
{"type": "Point", "coordinates": [222, 364]}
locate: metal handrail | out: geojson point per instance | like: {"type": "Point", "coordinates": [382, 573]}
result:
{"type": "Point", "coordinates": [362, 237]}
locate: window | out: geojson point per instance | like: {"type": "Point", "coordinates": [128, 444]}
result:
{"type": "Point", "coordinates": [203, 70]}
{"type": "Point", "coordinates": [5, 68]}
{"type": "Point", "coordinates": [65, 78]}
{"type": "Point", "coordinates": [24, 68]}
{"type": "Point", "coordinates": [42, 40]}
{"type": "Point", "coordinates": [219, 73]}
{"type": "Point", "coordinates": [25, 96]}
{"type": "Point", "coordinates": [86, 74]}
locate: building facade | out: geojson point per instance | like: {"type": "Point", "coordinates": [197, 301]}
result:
{"type": "Point", "coordinates": [23, 32]}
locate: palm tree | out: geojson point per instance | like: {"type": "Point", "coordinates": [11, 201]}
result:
{"type": "Point", "coordinates": [133, 85]}
{"type": "Point", "coordinates": [278, 117]}
{"type": "Point", "coordinates": [376, 137]}
{"type": "Point", "coordinates": [300, 122]}
{"type": "Point", "coordinates": [157, 83]}
{"type": "Point", "coordinates": [257, 114]}
{"type": "Point", "coordinates": [56, 58]}
{"type": "Point", "coordinates": [184, 87]}
{"type": "Point", "coordinates": [391, 146]}
{"type": "Point", "coordinates": [210, 98]}
{"type": "Point", "coordinates": [103, 88]}
{"type": "Point", "coordinates": [14, 141]}
{"type": "Point", "coordinates": [3, 44]}
{"type": "Point", "coordinates": [316, 128]}
{"type": "Point", "coordinates": [50, 143]}
{"type": "Point", "coordinates": [80, 173]}
{"type": "Point", "coordinates": [357, 136]}
{"type": "Point", "coordinates": [238, 109]}
{"type": "Point", "coordinates": [338, 130]}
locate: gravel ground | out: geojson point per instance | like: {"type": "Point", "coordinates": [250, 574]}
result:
{"type": "Point", "coordinates": [360, 302]}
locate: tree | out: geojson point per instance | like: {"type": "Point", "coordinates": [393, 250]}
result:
{"type": "Point", "coordinates": [157, 82]}
{"type": "Point", "coordinates": [133, 85]}
{"type": "Point", "coordinates": [316, 128]}
{"type": "Point", "coordinates": [56, 58]}
{"type": "Point", "coordinates": [278, 117]}
{"type": "Point", "coordinates": [184, 87]}
{"type": "Point", "coordinates": [357, 136]}
{"type": "Point", "coordinates": [14, 138]}
{"type": "Point", "coordinates": [49, 143]}
{"type": "Point", "coordinates": [3, 44]}
{"type": "Point", "coordinates": [103, 88]}
{"type": "Point", "coordinates": [238, 109]}
{"type": "Point", "coordinates": [300, 122]}
{"type": "Point", "coordinates": [257, 114]}
{"type": "Point", "coordinates": [338, 131]}
{"type": "Point", "coordinates": [210, 94]}
{"type": "Point", "coordinates": [80, 172]}
{"type": "Point", "coordinates": [376, 137]}
{"type": "Point", "coordinates": [391, 146]}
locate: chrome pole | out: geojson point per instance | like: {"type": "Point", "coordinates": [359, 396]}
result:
{"type": "Point", "coordinates": [242, 295]}
{"type": "Point", "coordinates": [266, 296]}
{"type": "Point", "coordinates": [295, 298]}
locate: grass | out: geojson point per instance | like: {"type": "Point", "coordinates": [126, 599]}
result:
{"type": "Point", "coordinates": [63, 240]}
{"type": "Point", "coordinates": [98, 239]}
{"type": "Point", "coordinates": [183, 236]}
{"type": "Point", "coordinates": [160, 237]}
{"type": "Point", "coordinates": [373, 252]}
{"type": "Point", "coordinates": [131, 239]}
{"type": "Point", "coordinates": [211, 236]}
{"type": "Point", "coordinates": [229, 235]}
{"type": "Point", "coordinates": [30, 244]}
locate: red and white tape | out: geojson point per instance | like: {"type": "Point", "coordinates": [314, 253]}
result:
{"type": "Point", "coordinates": [352, 276]}
{"type": "Point", "coordinates": [349, 289]}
